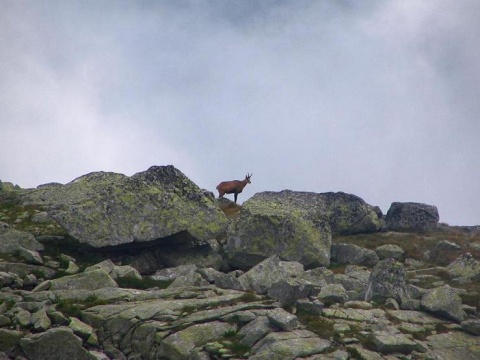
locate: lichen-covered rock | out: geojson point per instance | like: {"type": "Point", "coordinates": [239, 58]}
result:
{"type": "Point", "coordinates": [9, 339]}
{"type": "Point", "coordinates": [262, 276]}
{"type": "Point", "coordinates": [282, 319]}
{"type": "Point", "coordinates": [390, 251]}
{"type": "Point", "coordinates": [89, 280]}
{"type": "Point", "coordinates": [386, 342]}
{"type": "Point", "coordinates": [13, 240]}
{"type": "Point", "coordinates": [454, 345]}
{"type": "Point", "coordinates": [464, 266]}
{"type": "Point", "coordinates": [289, 345]}
{"type": "Point", "coordinates": [296, 226]}
{"type": "Point", "coordinates": [387, 280]}
{"type": "Point", "coordinates": [269, 226]}
{"type": "Point", "coordinates": [353, 254]}
{"type": "Point", "coordinates": [410, 216]}
{"type": "Point", "coordinates": [472, 326]}
{"type": "Point", "coordinates": [40, 320]}
{"type": "Point", "coordinates": [286, 291]}
{"type": "Point", "coordinates": [444, 301]}
{"type": "Point", "coordinates": [255, 330]}
{"type": "Point", "coordinates": [332, 293]}
{"type": "Point", "coordinates": [80, 328]}
{"type": "Point", "coordinates": [55, 344]}
{"type": "Point", "coordinates": [349, 214]}
{"type": "Point", "coordinates": [179, 345]}
{"type": "Point", "coordinates": [107, 209]}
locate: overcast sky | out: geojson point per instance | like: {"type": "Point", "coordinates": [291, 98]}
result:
{"type": "Point", "coordinates": [380, 99]}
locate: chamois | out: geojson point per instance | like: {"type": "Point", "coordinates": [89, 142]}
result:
{"type": "Point", "coordinates": [233, 187]}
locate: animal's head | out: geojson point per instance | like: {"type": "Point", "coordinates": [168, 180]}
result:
{"type": "Point", "coordinates": [248, 178]}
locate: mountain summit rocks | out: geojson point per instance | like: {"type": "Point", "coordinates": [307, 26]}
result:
{"type": "Point", "coordinates": [297, 226]}
{"type": "Point", "coordinates": [108, 209]}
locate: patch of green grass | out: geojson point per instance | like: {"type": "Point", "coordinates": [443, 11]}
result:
{"type": "Point", "coordinates": [142, 284]}
{"type": "Point", "coordinates": [237, 349]}
{"type": "Point", "coordinates": [230, 333]}
{"type": "Point", "coordinates": [248, 297]}
{"type": "Point", "coordinates": [321, 326]}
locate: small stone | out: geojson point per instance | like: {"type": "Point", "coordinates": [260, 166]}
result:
{"type": "Point", "coordinates": [4, 321]}
{"type": "Point", "coordinates": [23, 317]}
{"type": "Point", "coordinates": [471, 326]}
{"type": "Point", "coordinates": [40, 320]}
{"type": "Point", "coordinates": [72, 268]}
{"type": "Point", "coordinates": [282, 319]}
{"type": "Point", "coordinates": [80, 328]}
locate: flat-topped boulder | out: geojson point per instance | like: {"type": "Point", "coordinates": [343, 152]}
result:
{"type": "Point", "coordinates": [411, 216]}
{"type": "Point", "coordinates": [104, 209]}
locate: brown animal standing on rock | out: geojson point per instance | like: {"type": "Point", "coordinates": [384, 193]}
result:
{"type": "Point", "coordinates": [233, 187]}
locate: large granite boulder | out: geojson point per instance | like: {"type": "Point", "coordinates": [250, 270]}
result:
{"type": "Point", "coordinates": [297, 226]}
{"type": "Point", "coordinates": [349, 214]}
{"type": "Point", "coordinates": [444, 301]}
{"type": "Point", "coordinates": [285, 224]}
{"type": "Point", "coordinates": [410, 216]}
{"type": "Point", "coordinates": [105, 209]}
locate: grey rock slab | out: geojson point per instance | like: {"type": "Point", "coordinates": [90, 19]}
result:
{"type": "Point", "coordinates": [221, 312]}
{"type": "Point", "coordinates": [80, 328]}
{"type": "Point", "coordinates": [289, 345]}
{"type": "Point", "coordinates": [386, 342]}
{"type": "Point", "coordinates": [364, 354]}
{"type": "Point", "coordinates": [390, 251]}
{"type": "Point", "coordinates": [91, 280]}
{"type": "Point", "coordinates": [375, 316]}
{"type": "Point", "coordinates": [314, 307]}
{"type": "Point", "coordinates": [282, 319]}
{"type": "Point", "coordinates": [30, 256]}
{"type": "Point", "coordinates": [179, 345]}
{"type": "Point", "coordinates": [9, 339]}
{"type": "Point", "coordinates": [23, 317]}
{"type": "Point", "coordinates": [109, 209]}
{"type": "Point", "coordinates": [444, 301]}
{"type": "Point", "coordinates": [22, 270]}
{"type": "Point", "coordinates": [54, 344]}
{"type": "Point", "coordinates": [40, 320]}
{"type": "Point", "coordinates": [387, 280]}
{"type": "Point", "coordinates": [262, 276]}
{"type": "Point", "coordinates": [471, 326]}
{"type": "Point", "coordinates": [332, 293]}
{"type": "Point", "coordinates": [13, 240]}
{"type": "Point", "coordinates": [414, 317]}
{"type": "Point", "coordinates": [255, 330]}
{"type": "Point", "coordinates": [353, 254]}
{"type": "Point", "coordinates": [286, 291]}
{"type": "Point", "coordinates": [454, 345]}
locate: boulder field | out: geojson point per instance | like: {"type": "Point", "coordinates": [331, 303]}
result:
{"type": "Point", "coordinates": [153, 267]}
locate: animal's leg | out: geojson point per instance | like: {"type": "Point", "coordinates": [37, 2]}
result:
{"type": "Point", "coordinates": [236, 198]}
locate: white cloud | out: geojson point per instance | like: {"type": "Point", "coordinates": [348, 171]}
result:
{"type": "Point", "coordinates": [377, 100]}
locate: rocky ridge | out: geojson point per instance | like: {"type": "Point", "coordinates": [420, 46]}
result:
{"type": "Point", "coordinates": [288, 275]}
